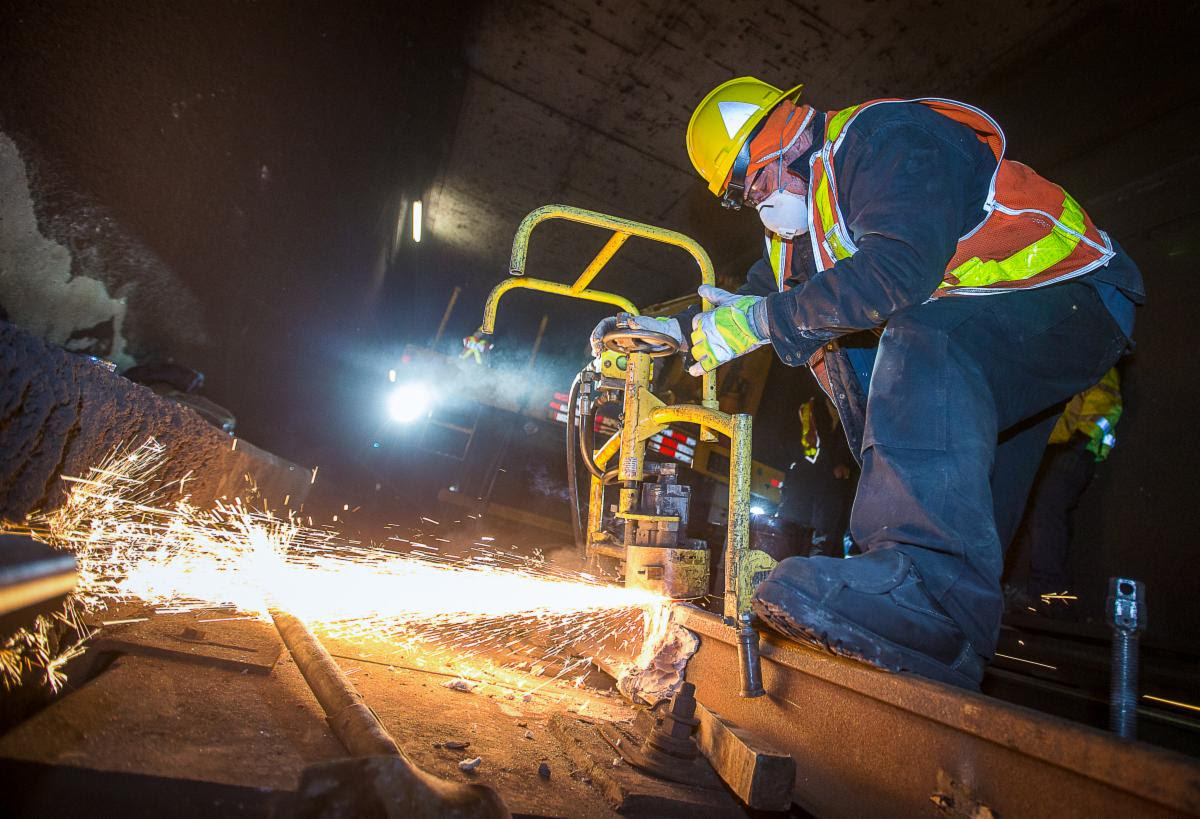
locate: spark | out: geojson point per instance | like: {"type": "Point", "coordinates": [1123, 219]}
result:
{"type": "Point", "coordinates": [133, 541]}
{"type": "Point", "coordinates": [1176, 703]}
{"type": "Point", "coordinates": [1023, 660]}
{"type": "Point", "coordinates": [44, 647]}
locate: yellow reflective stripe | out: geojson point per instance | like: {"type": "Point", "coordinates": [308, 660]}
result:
{"type": "Point", "coordinates": [825, 203]}
{"type": "Point", "coordinates": [1028, 261]}
{"type": "Point", "coordinates": [775, 254]}
{"type": "Point", "coordinates": [835, 245]}
{"type": "Point", "coordinates": [1072, 214]}
{"type": "Point", "coordinates": [838, 121]}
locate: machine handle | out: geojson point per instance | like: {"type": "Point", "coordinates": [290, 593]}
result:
{"type": "Point", "coordinates": [655, 345]}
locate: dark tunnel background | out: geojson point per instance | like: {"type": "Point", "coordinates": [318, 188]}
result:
{"type": "Point", "coordinates": [264, 153]}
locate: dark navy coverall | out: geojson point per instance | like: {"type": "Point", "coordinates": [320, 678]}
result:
{"type": "Point", "coordinates": [950, 408]}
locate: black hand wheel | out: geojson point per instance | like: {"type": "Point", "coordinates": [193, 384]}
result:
{"type": "Point", "coordinates": [636, 340]}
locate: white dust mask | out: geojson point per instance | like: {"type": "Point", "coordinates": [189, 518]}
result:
{"type": "Point", "coordinates": [784, 213]}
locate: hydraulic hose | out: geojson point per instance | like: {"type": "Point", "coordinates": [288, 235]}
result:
{"type": "Point", "coordinates": [587, 440]}
{"type": "Point", "coordinates": [572, 479]}
{"type": "Point", "coordinates": [581, 445]}
{"type": "Point", "coordinates": [587, 443]}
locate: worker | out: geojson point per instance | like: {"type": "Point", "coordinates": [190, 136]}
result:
{"type": "Point", "coordinates": [817, 488]}
{"type": "Point", "coordinates": [994, 297]}
{"type": "Point", "coordinates": [476, 346]}
{"type": "Point", "coordinates": [1083, 436]}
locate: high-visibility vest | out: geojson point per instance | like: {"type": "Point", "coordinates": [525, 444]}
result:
{"type": "Point", "coordinates": [810, 437]}
{"type": "Point", "coordinates": [1033, 233]}
{"type": "Point", "coordinates": [1094, 413]}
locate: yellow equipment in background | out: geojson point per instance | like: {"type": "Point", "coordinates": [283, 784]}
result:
{"type": "Point", "coordinates": [651, 505]}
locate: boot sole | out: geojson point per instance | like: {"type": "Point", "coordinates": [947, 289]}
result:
{"type": "Point", "coordinates": [778, 604]}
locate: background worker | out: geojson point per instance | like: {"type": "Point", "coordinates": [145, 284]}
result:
{"type": "Point", "coordinates": [997, 299]}
{"type": "Point", "coordinates": [1083, 436]}
{"type": "Point", "coordinates": [818, 488]}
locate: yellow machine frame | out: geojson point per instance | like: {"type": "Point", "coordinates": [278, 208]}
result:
{"type": "Point", "coordinates": [645, 415]}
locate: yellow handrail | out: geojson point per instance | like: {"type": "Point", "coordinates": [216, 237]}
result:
{"type": "Point", "coordinates": [520, 249]}
{"type": "Point", "coordinates": [622, 230]}
{"type": "Point", "coordinates": [493, 299]}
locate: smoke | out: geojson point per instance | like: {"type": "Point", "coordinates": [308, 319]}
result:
{"type": "Point", "coordinates": [37, 289]}
{"type": "Point", "coordinates": [71, 273]}
{"type": "Point", "coordinates": [505, 378]}
{"type": "Point", "coordinates": [541, 482]}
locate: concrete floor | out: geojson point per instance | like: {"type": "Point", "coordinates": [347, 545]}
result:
{"type": "Point", "coordinates": [178, 715]}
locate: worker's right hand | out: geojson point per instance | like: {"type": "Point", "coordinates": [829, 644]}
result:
{"type": "Point", "coordinates": [653, 324]}
{"type": "Point", "coordinates": [727, 330]}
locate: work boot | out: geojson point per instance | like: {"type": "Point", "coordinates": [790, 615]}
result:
{"type": "Point", "coordinates": [872, 608]}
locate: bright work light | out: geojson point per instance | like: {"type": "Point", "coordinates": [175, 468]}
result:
{"type": "Point", "coordinates": [409, 402]}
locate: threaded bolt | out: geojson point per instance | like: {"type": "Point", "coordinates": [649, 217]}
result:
{"type": "Point", "coordinates": [1126, 610]}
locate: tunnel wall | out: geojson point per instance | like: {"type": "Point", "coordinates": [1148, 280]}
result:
{"type": "Point", "coordinates": [61, 413]}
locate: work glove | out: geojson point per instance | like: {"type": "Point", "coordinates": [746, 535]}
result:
{"type": "Point", "coordinates": [735, 325]}
{"type": "Point", "coordinates": [654, 324]}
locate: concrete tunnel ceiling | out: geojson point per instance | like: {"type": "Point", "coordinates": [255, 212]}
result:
{"type": "Point", "coordinates": [586, 103]}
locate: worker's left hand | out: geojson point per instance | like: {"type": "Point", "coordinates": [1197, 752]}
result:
{"type": "Point", "coordinates": [655, 324]}
{"type": "Point", "coordinates": [727, 331]}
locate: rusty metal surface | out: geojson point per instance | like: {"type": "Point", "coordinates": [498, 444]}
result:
{"type": "Point", "coordinates": [871, 743]}
{"type": "Point", "coordinates": [762, 776]}
{"type": "Point", "coordinates": [628, 791]}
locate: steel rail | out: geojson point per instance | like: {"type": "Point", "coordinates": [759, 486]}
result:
{"type": "Point", "coordinates": [32, 574]}
{"type": "Point", "coordinates": [360, 731]}
{"type": "Point", "coordinates": [870, 743]}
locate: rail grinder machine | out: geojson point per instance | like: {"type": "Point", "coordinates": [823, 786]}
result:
{"type": "Point", "coordinates": [646, 535]}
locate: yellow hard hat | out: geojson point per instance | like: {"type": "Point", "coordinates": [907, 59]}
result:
{"type": "Point", "coordinates": [722, 123]}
